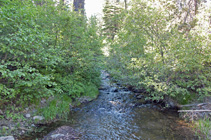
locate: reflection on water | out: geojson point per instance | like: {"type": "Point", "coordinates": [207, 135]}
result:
{"type": "Point", "coordinates": [113, 116]}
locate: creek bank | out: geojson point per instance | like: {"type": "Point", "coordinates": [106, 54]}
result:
{"type": "Point", "coordinates": [17, 123]}
{"type": "Point", "coordinates": [195, 111]}
{"type": "Point", "coordinates": [166, 104]}
{"type": "Point", "coordinates": [170, 104]}
{"type": "Point", "coordinates": [28, 120]}
{"type": "Point", "coordinates": [115, 115]}
{"type": "Point", "coordinates": [199, 114]}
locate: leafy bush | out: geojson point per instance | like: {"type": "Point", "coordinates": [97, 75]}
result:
{"type": "Point", "coordinates": [46, 50]}
{"type": "Point", "coordinates": [58, 107]}
{"type": "Point", "coordinates": [150, 53]}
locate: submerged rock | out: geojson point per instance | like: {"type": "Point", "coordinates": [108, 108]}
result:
{"type": "Point", "coordinates": [7, 138]}
{"type": "Point", "coordinates": [63, 133]}
{"type": "Point", "coordinates": [114, 89]}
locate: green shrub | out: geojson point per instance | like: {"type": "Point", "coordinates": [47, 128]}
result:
{"type": "Point", "coordinates": [46, 50]}
{"type": "Point", "coordinates": [149, 54]}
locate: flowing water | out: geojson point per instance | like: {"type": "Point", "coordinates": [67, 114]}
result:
{"type": "Point", "coordinates": [114, 116]}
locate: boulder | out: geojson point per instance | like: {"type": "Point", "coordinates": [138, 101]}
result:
{"type": "Point", "coordinates": [63, 133]}
{"type": "Point", "coordinates": [7, 138]}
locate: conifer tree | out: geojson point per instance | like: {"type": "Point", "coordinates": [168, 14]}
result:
{"type": "Point", "coordinates": [112, 19]}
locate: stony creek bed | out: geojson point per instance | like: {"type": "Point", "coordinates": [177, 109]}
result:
{"type": "Point", "coordinates": [114, 115]}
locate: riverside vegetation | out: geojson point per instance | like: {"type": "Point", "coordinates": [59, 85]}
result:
{"type": "Point", "coordinates": [161, 47]}
{"type": "Point", "coordinates": [51, 53]}
{"type": "Point", "coordinates": [47, 53]}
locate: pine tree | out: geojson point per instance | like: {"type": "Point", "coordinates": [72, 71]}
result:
{"type": "Point", "coordinates": [112, 19]}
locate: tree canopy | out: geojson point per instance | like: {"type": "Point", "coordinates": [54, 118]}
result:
{"type": "Point", "coordinates": [162, 47]}
{"type": "Point", "coordinates": [46, 49]}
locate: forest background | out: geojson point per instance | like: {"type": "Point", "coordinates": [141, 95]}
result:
{"type": "Point", "coordinates": [47, 50]}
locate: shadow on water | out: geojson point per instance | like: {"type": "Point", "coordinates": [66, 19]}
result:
{"type": "Point", "coordinates": [114, 116]}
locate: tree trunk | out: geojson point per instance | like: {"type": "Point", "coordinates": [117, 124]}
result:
{"type": "Point", "coordinates": [79, 6]}
{"type": "Point", "coordinates": [196, 6]}
{"type": "Point", "coordinates": [125, 4]}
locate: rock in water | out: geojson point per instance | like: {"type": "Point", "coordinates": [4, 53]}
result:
{"type": "Point", "coordinates": [7, 138]}
{"type": "Point", "coordinates": [113, 89]}
{"type": "Point", "coordinates": [63, 133]}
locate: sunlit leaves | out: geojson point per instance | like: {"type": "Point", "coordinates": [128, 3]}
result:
{"type": "Point", "coordinates": [151, 53]}
{"type": "Point", "coordinates": [45, 50]}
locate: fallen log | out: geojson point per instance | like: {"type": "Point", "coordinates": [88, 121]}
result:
{"type": "Point", "coordinates": [194, 110]}
{"type": "Point", "coordinates": [198, 104]}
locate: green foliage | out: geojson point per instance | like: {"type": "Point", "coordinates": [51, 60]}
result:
{"type": "Point", "coordinates": [150, 53]}
{"type": "Point", "coordinates": [91, 90]}
{"type": "Point", "coordinates": [46, 50]}
{"type": "Point", "coordinates": [59, 107]}
{"type": "Point", "coordinates": [203, 127]}
{"type": "Point", "coordinates": [113, 15]}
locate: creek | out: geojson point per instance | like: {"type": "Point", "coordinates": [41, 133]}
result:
{"type": "Point", "coordinates": [114, 116]}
